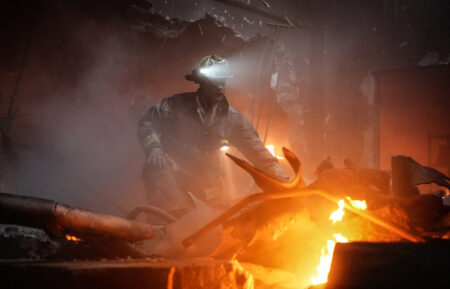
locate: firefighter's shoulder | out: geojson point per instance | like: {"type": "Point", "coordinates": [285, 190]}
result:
{"type": "Point", "coordinates": [179, 100]}
{"type": "Point", "coordinates": [181, 97]}
{"type": "Point", "coordinates": [235, 114]}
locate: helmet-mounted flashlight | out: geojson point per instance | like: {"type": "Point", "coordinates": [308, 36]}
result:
{"type": "Point", "coordinates": [218, 70]}
{"type": "Point", "coordinates": [225, 145]}
{"type": "Point", "coordinates": [212, 67]}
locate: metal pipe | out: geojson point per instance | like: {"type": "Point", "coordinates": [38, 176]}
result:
{"type": "Point", "coordinates": [60, 219]}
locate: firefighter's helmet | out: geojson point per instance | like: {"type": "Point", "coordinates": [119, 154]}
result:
{"type": "Point", "coordinates": [211, 67]}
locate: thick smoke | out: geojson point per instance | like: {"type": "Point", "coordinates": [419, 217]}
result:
{"type": "Point", "coordinates": [88, 80]}
{"type": "Point", "coordinates": [82, 147]}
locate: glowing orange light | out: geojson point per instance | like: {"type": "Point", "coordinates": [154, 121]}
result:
{"type": "Point", "coordinates": [73, 238]}
{"type": "Point", "coordinates": [339, 213]}
{"type": "Point", "coordinates": [325, 260]}
{"type": "Point", "coordinates": [327, 252]}
{"type": "Point", "coordinates": [357, 204]}
{"type": "Point", "coordinates": [271, 149]}
{"type": "Point", "coordinates": [340, 238]}
{"type": "Point", "coordinates": [324, 266]}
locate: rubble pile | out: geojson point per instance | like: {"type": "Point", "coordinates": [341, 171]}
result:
{"type": "Point", "coordinates": [274, 238]}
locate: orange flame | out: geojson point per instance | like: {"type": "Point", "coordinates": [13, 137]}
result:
{"type": "Point", "coordinates": [339, 213]}
{"type": "Point", "coordinates": [357, 204]}
{"type": "Point", "coordinates": [73, 238]}
{"type": "Point", "coordinates": [327, 252]}
{"type": "Point", "coordinates": [325, 260]}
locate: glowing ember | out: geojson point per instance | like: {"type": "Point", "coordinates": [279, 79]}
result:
{"type": "Point", "coordinates": [339, 213]}
{"type": "Point", "coordinates": [271, 149]}
{"type": "Point", "coordinates": [73, 238]}
{"type": "Point", "coordinates": [357, 204]}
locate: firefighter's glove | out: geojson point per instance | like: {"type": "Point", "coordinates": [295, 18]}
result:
{"type": "Point", "coordinates": [157, 158]}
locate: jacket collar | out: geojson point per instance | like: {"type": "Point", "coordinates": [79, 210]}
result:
{"type": "Point", "coordinates": [221, 110]}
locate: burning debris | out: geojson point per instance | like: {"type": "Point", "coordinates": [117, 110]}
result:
{"type": "Point", "coordinates": [281, 216]}
{"type": "Point", "coordinates": [273, 224]}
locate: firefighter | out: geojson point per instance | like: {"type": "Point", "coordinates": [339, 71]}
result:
{"type": "Point", "coordinates": [182, 136]}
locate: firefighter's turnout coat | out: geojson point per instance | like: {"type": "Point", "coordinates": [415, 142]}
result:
{"type": "Point", "coordinates": [192, 143]}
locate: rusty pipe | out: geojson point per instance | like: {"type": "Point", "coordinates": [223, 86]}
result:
{"type": "Point", "coordinates": [60, 219]}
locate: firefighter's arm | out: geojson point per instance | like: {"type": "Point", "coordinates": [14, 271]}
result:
{"type": "Point", "coordinates": [150, 131]}
{"type": "Point", "coordinates": [247, 141]}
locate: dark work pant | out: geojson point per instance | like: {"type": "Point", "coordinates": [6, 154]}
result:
{"type": "Point", "coordinates": [165, 189]}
